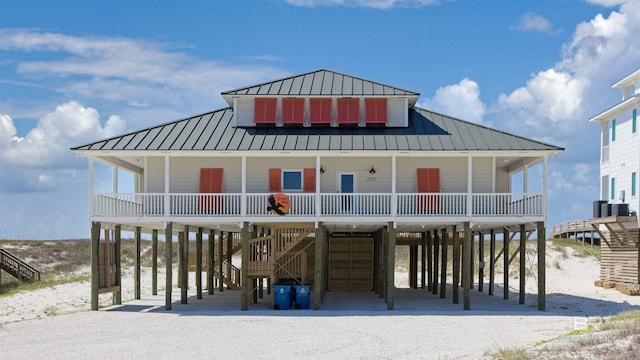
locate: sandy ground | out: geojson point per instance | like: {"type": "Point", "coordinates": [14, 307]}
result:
{"type": "Point", "coordinates": [54, 323]}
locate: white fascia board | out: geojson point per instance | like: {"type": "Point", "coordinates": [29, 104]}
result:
{"type": "Point", "coordinates": [627, 80]}
{"type": "Point", "coordinates": [615, 108]}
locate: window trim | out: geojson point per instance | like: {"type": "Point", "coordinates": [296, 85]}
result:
{"type": "Point", "coordinates": [613, 188]}
{"type": "Point", "coordinates": [634, 179]}
{"type": "Point", "coordinates": [613, 130]}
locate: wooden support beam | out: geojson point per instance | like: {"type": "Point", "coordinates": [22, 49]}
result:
{"type": "Point", "coordinates": [436, 254]}
{"type": "Point", "coordinates": [318, 266]}
{"type": "Point", "coordinates": [456, 265]}
{"type": "Point", "coordinates": [117, 249]}
{"type": "Point", "coordinates": [154, 262]}
{"type": "Point", "coordinates": [542, 279]}
{"type": "Point", "coordinates": [523, 250]}
{"type": "Point", "coordinates": [95, 264]}
{"type": "Point", "coordinates": [423, 248]}
{"type": "Point", "coordinates": [168, 259]}
{"type": "Point", "coordinates": [505, 247]}
{"type": "Point", "coordinates": [199, 264]}
{"type": "Point", "coordinates": [244, 271]}
{"type": "Point", "coordinates": [229, 247]}
{"type": "Point", "coordinates": [136, 272]}
{"type": "Point", "coordinates": [602, 237]}
{"type": "Point", "coordinates": [472, 261]}
{"type": "Point", "coordinates": [210, 261]}
{"type": "Point", "coordinates": [481, 261]}
{"type": "Point", "coordinates": [391, 266]}
{"type": "Point", "coordinates": [492, 261]}
{"type": "Point", "coordinates": [466, 265]}
{"type": "Point", "coordinates": [221, 261]}
{"type": "Point", "coordinates": [381, 266]}
{"type": "Point", "coordinates": [429, 261]}
{"type": "Point", "coordinates": [184, 269]}
{"type": "Point", "coordinates": [443, 272]}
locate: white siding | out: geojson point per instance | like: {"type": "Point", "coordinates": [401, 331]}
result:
{"type": "Point", "coordinates": [503, 181]}
{"type": "Point", "coordinates": [380, 182]}
{"type": "Point", "coordinates": [481, 175]}
{"type": "Point", "coordinates": [258, 170]}
{"type": "Point", "coordinates": [623, 159]}
{"type": "Point", "coordinates": [155, 174]}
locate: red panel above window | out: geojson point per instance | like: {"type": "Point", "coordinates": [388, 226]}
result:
{"type": "Point", "coordinates": [348, 111]}
{"type": "Point", "coordinates": [375, 111]}
{"type": "Point", "coordinates": [292, 111]}
{"type": "Point", "coordinates": [320, 111]}
{"type": "Point", "coordinates": [264, 111]}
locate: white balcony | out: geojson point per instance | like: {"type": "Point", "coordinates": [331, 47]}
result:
{"type": "Point", "coordinates": [322, 207]}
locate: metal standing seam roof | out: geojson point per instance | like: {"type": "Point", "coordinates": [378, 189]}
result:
{"type": "Point", "coordinates": [319, 83]}
{"type": "Point", "coordinates": [213, 131]}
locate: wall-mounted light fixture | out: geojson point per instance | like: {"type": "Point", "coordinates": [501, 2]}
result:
{"type": "Point", "coordinates": [372, 171]}
{"type": "Point", "coordinates": [321, 170]}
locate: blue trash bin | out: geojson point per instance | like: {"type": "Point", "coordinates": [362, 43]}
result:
{"type": "Point", "coordinates": [303, 296]}
{"type": "Point", "coordinates": [281, 297]}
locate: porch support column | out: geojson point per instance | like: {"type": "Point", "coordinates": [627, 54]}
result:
{"type": "Point", "coordinates": [391, 265]}
{"type": "Point", "coordinates": [412, 267]}
{"type": "Point", "coordinates": [229, 247]}
{"type": "Point", "coordinates": [456, 265]}
{"type": "Point", "coordinates": [154, 262]}
{"type": "Point", "coordinates": [210, 262]}
{"type": "Point", "coordinates": [318, 208]}
{"type": "Point", "coordinates": [429, 261]}
{"type": "Point", "coordinates": [221, 260]}
{"type": "Point", "coordinates": [492, 261]}
{"type": "Point", "coordinates": [243, 187]}
{"type": "Point", "coordinates": [481, 261]}
{"type": "Point", "coordinates": [394, 198]}
{"type": "Point", "coordinates": [136, 272]}
{"type": "Point", "coordinates": [469, 187]}
{"type": "Point", "coordinates": [319, 265]}
{"type": "Point", "coordinates": [506, 238]}
{"type": "Point", "coordinates": [184, 266]}
{"type": "Point", "coordinates": [95, 267]}
{"type": "Point", "coordinates": [542, 290]}
{"type": "Point", "coordinates": [443, 273]}
{"type": "Point", "coordinates": [244, 271]}
{"type": "Point", "coordinates": [436, 253]}
{"type": "Point", "coordinates": [466, 265]}
{"type": "Point", "coordinates": [199, 264]}
{"type": "Point", "coordinates": [117, 249]}
{"type": "Point", "coordinates": [385, 241]}
{"type": "Point", "coordinates": [423, 248]}
{"type": "Point", "coordinates": [168, 259]}
{"type": "Point", "coordinates": [380, 259]}
{"type": "Point", "coordinates": [523, 247]}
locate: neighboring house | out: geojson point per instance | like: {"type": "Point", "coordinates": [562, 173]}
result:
{"type": "Point", "coordinates": [363, 168]}
{"type": "Point", "coordinates": [619, 171]}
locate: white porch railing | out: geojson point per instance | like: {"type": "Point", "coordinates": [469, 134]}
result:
{"type": "Point", "coordinates": [331, 205]}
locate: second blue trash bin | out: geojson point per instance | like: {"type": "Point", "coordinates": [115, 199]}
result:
{"type": "Point", "coordinates": [281, 297]}
{"type": "Point", "coordinates": [303, 296]}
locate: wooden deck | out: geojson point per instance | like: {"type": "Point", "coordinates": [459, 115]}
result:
{"type": "Point", "coordinates": [575, 230]}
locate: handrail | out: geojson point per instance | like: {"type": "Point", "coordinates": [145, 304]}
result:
{"type": "Point", "coordinates": [14, 265]}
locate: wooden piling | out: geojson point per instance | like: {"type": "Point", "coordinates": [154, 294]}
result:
{"type": "Point", "coordinates": [466, 265]}
{"type": "Point", "coordinates": [456, 265]}
{"type": "Point", "coordinates": [523, 248]}
{"type": "Point", "coordinates": [481, 261]}
{"type": "Point", "coordinates": [505, 257]}
{"type": "Point", "coordinates": [492, 261]}
{"type": "Point", "coordinates": [154, 262]}
{"type": "Point", "coordinates": [199, 264]}
{"type": "Point", "coordinates": [443, 272]}
{"type": "Point", "coordinates": [168, 259]}
{"type": "Point", "coordinates": [244, 271]}
{"type": "Point", "coordinates": [542, 290]}
{"type": "Point", "coordinates": [95, 267]}
{"type": "Point", "coordinates": [117, 249]}
{"type": "Point", "coordinates": [136, 272]}
{"type": "Point", "coordinates": [391, 266]}
{"type": "Point", "coordinates": [423, 248]}
{"type": "Point", "coordinates": [318, 265]}
{"type": "Point", "coordinates": [210, 262]}
{"type": "Point", "coordinates": [221, 261]}
{"type": "Point", "coordinates": [429, 262]}
{"type": "Point", "coordinates": [436, 254]}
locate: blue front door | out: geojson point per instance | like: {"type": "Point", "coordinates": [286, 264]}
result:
{"type": "Point", "coordinates": [347, 186]}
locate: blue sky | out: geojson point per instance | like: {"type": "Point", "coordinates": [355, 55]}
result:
{"type": "Point", "coordinates": [76, 71]}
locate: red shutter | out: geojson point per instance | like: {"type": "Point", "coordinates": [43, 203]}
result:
{"type": "Point", "coordinates": [264, 110]}
{"type": "Point", "coordinates": [210, 182]}
{"type": "Point", "coordinates": [348, 111]}
{"type": "Point", "coordinates": [292, 111]}
{"type": "Point", "coordinates": [309, 180]}
{"type": "Point", "coordinates": [428, 182]}
{"type": "Point", "coordinates": [274, 180]}
{"type": "Point", "coordinates": [375, 111]}
{"type": "Point", "coordinates": [320, 111]}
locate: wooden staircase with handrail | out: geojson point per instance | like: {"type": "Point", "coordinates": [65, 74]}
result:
{"type": "Point", "coordinates": [230, 273]}
{"type": "Point", "coordinates": [18, 268]}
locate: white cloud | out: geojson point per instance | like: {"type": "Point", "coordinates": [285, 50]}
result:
{"type": "Point", "coordinates": [47, 145]}
{"type": "Point", "coordinates": [534, 22]}
{"type": "Point", "coordinates": [608, 3]}
{"type": "Point", "coordinates": [376, 4]}
{"type": "Point", "coordinates": [461, 100]}
{"type": "Point", "coordinates": [128, 72]}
